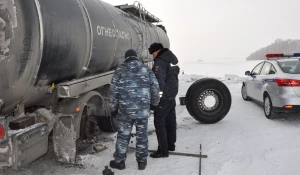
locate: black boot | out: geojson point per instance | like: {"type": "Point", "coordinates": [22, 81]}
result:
{"type": "Point", "coordinates": [171, 148]}
{"type": "Point", "coordinates": [120, 166]}
{"type": "Point", "coordinates": [159, 154]}
{"type": "Point", "coordinates": [142, 165]}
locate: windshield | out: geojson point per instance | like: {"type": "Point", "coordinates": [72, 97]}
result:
{"type": "Point", "coordinates": [290, 67]}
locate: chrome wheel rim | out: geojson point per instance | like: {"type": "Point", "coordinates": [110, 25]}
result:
{"type": "Point", "coordinates": [244, 92]}
{"type": "Point", "coordinates": [267, 106]}
{"type": "Point", "coordinates": [205, 100]}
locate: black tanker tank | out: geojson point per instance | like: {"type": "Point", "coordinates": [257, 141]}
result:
{"type": "Point", "coordinates": [51, 41]}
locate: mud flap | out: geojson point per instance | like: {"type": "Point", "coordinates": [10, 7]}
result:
{"type": "Point", "coordinates": [64, 139]}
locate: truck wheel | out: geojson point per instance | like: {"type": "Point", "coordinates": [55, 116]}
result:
{"type": "Point", "coordinates": [188, 94]}
{"type": "Point", "coordinates": [268, 108]}
{"type": "Point", "coordinates": [108, 124]}
{"type": "Point", "coordinates": [244, 93]}
{"type": "Point", "coordinates": [87, 126]}
{"type": "Point", "coordinates": [208, 100]}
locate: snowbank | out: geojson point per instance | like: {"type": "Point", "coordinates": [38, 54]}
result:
{"type": "Point", "coordinates": [233, 79]}
{"type": "Point", "coordinates": [190, 78]}
{"type": "Point", "coordinates": [227, 78]}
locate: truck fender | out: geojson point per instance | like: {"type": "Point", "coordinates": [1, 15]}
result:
{"type": "Point", "coordinates": [93, 101]}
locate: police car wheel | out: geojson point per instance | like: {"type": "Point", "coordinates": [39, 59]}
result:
{"type": "Point", "coordinates": [208, 100]}
{"type": "Point", "coordinates": [268, 108]}
{"type": "Point", "coordinates": [244, 93]}
{"type": "Point", "coordinates": [107, 124]}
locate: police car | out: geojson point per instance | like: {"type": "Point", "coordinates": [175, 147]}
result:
{"type": "Point", "coordinates": [275, 84]}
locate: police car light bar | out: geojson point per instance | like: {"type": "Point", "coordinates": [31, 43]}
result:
{"type": "Point", "coordinates": [278, 55]}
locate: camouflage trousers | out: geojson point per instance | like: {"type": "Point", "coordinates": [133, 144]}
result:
{"type": "Point", "coordinates": [123, 139]}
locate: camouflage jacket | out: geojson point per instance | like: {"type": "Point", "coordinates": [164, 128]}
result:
{"type": "Point", "coordinates": [133, 88]}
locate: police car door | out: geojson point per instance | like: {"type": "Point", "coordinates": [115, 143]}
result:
{"type": "Point", "coordinates": [251, 81]}
{"type": "Point", "coordinates": [261, 80]}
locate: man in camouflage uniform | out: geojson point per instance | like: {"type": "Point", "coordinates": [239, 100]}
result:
{"type": "Point", "coordinates": [133, 89]}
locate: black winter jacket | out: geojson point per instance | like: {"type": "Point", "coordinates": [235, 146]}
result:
{"type": "Point", "coordinates": [166, 71]}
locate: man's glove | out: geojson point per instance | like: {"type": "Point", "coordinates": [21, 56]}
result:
{"type": "Point", "coordinates": [114, 113]}
{"type": "Point", "coordinates": [153, 108]}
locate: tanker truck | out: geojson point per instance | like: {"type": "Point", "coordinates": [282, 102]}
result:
{"type": "Point", "coordinates": [56, 63]}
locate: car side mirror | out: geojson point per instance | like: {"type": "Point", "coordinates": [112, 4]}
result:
{"type": "Point", "coordinates": [247, 73]}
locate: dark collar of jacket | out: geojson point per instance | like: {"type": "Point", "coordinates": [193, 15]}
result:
{"type": "Point", "coordinates": [161, 52]}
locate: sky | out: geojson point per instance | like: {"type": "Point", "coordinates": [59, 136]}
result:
{"type": "Point", "coordinates": [223, 29]}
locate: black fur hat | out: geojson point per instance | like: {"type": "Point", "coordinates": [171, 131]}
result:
{"type": "Point", "coordinates": [130, 53]}
{"type": "Point", "coordinates": [155, 47]}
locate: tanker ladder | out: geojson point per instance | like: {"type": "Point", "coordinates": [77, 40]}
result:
{"type": "Point", "coordinates": [145, 17]}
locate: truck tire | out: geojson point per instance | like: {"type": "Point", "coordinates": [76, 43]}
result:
{"type": "Point", "coordinates": [196, 100]}
{"type": "Point", "coordinates": [87, 125]}
{"type": "Point", "coordinates": [108, 124]}
{"type": "Point", "coordinates": [188, 93]}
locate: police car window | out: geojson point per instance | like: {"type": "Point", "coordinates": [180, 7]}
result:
{"type": "Point", "coordinates": [290, 67]}
{"type": "Point", "coordinates": [256, 70]}
{"type": "Point", "coordinates": [273, 70]}
{"type": "Point", "coordinates": [266, 69]}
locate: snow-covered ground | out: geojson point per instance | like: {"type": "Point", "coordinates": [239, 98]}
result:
{"type": "Point", "coordinates": [244, 142]}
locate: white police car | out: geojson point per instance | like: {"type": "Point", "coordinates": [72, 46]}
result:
{"type": "Point", "coordinates": [275, 84]}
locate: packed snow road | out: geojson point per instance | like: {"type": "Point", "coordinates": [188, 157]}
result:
{"type": "Point", "coordinates": [244, 142]}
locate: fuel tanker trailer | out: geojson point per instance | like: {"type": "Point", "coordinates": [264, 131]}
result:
{"type": "Point", "coordinates": [56, 62]}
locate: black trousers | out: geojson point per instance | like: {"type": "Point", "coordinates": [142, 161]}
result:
{"type": "Point", "coordinates": [165, 125]}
